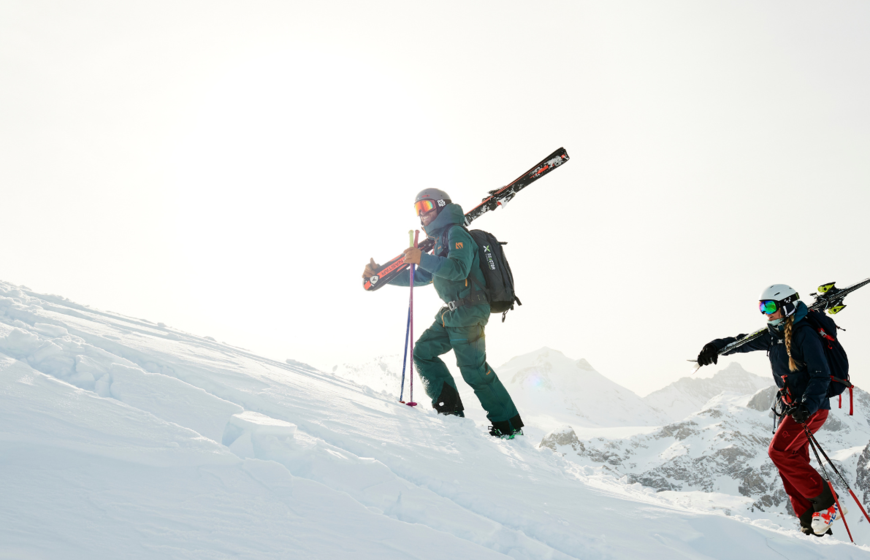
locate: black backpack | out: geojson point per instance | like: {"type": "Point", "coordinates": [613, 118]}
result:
{"type": "Point", "coordinates": [499, 290]}
{"type": "Point", "coordinates": [838, 362]}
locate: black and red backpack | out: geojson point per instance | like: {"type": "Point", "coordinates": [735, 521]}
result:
{"type": "Point", "coordinates": [838, 362]}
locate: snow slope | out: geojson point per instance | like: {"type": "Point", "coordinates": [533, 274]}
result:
{"type": "Point", "coordinates": [121, 438]}
{"type": "Point", "coordinates": [689, 394]}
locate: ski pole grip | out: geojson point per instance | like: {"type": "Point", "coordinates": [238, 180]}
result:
{"type": "Point", "coordinates": [416, 237]}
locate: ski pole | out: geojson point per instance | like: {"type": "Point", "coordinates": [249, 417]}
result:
{"type": "Point", "coordinates": [407, 329]}
{"type": "Point", "coordinates": [405, 358]}
{"type": "Point", "coordinates": [842, 478]}
{"type": "Point", "coordinates": [813, 442]}
{"type": "Point", "coordinates": [411, 322]}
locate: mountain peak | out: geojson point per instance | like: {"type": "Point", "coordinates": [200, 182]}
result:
{"type": "Point", "coordinates": [583, 364]}
{"type": "Point", "coordinates": [733, 368]}
{"type": "Point", "coordinates": [546, 351]}
{"type": "Point", "coordinates": [565, 390]}
{"type": "Point", "coordinates": [689, 394]}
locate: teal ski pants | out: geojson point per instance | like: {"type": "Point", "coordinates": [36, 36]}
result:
{"type": "Point", "coordinates": [469, 346]}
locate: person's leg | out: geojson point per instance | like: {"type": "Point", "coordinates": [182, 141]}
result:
{"type": "Point", "coordinates": [437, 381]}
{"type": "Point", "coordinates": [789, 451]}
{"type": "Point", "coordinates": [469, 345]}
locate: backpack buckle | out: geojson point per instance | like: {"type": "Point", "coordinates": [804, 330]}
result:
{"type": "Point", "coordinates": [451, 305]}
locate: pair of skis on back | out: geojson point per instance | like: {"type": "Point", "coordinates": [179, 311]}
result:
{"type": "Point", "coordinates": [497, 198]}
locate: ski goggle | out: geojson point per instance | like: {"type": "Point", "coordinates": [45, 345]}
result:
{"type": "Point", "coordinates": [423, 206]}
{"type": "Point", "coordinates": [768, 307]}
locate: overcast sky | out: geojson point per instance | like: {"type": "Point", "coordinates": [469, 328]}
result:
{"type": "Point", "coordinates": [227, 168]}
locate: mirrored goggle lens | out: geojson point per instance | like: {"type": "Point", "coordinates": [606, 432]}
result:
{"type": "Point", "coordinates": [767, 307]}
{"type": "Point", "coordinates": [422, 206]}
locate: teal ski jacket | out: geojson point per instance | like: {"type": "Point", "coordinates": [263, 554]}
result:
{"type": "Point", "coordinates": [452, 274]}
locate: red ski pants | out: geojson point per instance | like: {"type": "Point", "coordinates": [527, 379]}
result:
{"type": "Point", "coordinates": [790, 452]}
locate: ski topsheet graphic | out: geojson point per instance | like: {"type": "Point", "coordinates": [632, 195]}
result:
{"type": "Point", "coordinates": [496, 198]}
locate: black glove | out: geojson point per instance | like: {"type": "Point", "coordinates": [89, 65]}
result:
{"type": "Point", "coordinates": [799, 413]}
{"type": "Point", "coordinates": [709, 355]}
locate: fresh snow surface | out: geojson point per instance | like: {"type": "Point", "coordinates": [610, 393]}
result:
{"type": "Point", "coordinates": [689, 394]}
{"type": "Point", "coordinates": [122, 438]}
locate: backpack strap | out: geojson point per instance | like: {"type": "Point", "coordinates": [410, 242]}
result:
{"type": "Point", "coordinates": [848, 384]}
{"type": "Point", "coordinates": [445, 247]}
{"type": "Point", "coordinates": [851, 408]}
{"type": "Point", "coordinates": [473, 299]}
{"type": "Point", "coordinates": [479, 294]}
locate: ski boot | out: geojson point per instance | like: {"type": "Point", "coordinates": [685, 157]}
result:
{"type": "Point", "coordinates": [509, 433]}
{"type": "Point", "coordinates": [806, 520]}
{"type": "Point", "coordinates": [822, 520]}
{"type": "Point", "coordinates": [507, 429]}
{"type": "Point", "coordinates": [495, 432]}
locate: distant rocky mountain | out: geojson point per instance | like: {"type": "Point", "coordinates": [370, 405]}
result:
{"type": "Point", "coordinates": [723, 449]}
{"type": "Point", "coordinates": [689, 394]}
{"type": "Point", "coordinates": [552, 389]}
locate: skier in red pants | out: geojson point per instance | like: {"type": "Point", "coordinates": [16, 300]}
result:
{"type": "Point", "coordinates": [801, 371]}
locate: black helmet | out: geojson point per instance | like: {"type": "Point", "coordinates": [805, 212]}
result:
{"type": "Point", "coordinates": [438, 199]}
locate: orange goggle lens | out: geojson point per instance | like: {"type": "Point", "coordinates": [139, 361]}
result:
{"type": "Point", "coordinates": [422, 206]}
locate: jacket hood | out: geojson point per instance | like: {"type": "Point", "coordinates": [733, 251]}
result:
{"type": "Point", "coordinates": [449, 215]}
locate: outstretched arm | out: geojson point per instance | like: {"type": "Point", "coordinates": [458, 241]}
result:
{"type": "Point", "coordinates": [421, 278]}
{"type": "Point", "coordinates": [710, 353]}
{"type": "Point", "coordinates": [760, 343]}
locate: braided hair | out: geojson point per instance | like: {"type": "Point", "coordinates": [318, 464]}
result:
{"type": "Point", "coordinates": [793, 364]}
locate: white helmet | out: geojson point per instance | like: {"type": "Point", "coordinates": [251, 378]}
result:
{"type": "Point", "coordinates": [776, 297]}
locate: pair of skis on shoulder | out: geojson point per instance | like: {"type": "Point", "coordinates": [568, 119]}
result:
{"type": "Point", "coordinates": [497, 198]}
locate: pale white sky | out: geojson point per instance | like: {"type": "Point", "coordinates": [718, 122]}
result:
{"type": "Point", "coordinates": [227, 168]}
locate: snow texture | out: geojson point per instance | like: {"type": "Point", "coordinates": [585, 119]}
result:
{"type": "Point", "coordinates": [122, 438]}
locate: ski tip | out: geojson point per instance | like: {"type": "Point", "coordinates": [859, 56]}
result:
{"type": "Point", "coordinates": [696, 368]}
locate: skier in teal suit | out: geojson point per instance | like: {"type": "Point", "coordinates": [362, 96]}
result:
{"type": "Point", "coordinates": [454, 269]}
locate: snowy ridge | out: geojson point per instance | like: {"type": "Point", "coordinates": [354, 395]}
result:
{"type": "Point", "coordinates": [120, 438]}
{"type": "Point", "coordinates": [689, 394]}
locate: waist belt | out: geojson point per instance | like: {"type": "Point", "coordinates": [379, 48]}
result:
{"type": "Point", "coordinates": [470, 300]}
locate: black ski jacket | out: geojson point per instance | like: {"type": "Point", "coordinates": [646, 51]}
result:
{"type": "Point", "coordinates": [809, 384]}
